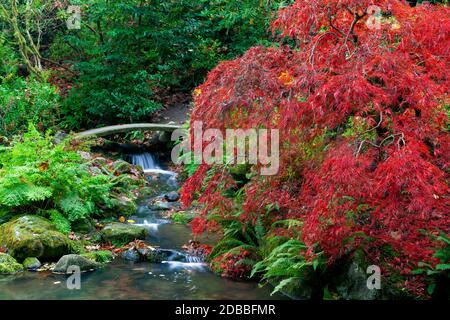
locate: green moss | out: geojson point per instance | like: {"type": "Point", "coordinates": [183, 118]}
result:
{"type": "Point", "coordinates": [33, 236]}
{"type": "Point", "coordinates": [183, 217]}
{"type": "Point", "coordinates": [31, 263]}
{"type": "Point", "coordinates": [120, 234]}
{"type": "Point", "coordinates": [9, 265]}
{"type": "Point", "coordinates": [99, 256]}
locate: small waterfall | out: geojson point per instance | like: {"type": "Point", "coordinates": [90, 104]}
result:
{"type": "Point", "coordinates": [194, 259]}
{"type": "Point", "coordinates": [199, 266]}
{"type": "Point", "coordinates": [153, 226]}
{"type": "Point", "coordinates": [179, 260]}
{"type": "Point", "coordinates": [144, 160]}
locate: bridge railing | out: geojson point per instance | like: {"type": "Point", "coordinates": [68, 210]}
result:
{"type": "Point", "coordinates": [106, 131]}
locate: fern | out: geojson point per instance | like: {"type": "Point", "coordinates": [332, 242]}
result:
{"type": "Point", "coordinates": [286, 264]}
{"type": "Point", "coordinates": [59, 221]}
{"type": "Point", "coordinates": [37, 175]}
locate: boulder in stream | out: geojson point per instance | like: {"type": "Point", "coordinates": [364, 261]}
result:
{"type": "Point", "coordinates": [33, 236]}
{"type": "Point", "coordinates": [172, 196]}
{"type": "Point", "coordinates": [32, 264]}
{"type": "Point", "coordinates": [9, 265]}
{"type": "Point", "coordinates": [121, 233]}
{"type": "Point", "coordinates": [70, 260]}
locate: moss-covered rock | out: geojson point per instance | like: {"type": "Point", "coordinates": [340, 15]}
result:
{"type": "Point", "coordinates": [70, 260]}
{"type": "Point", "coordinates": [120, 233]}
{"type": "Point", "coordinates": [32, 264]}
{"type": "Point", "coordinates": [33, 236]}
{"type": "Point", "coordinates": [125, 206]}
{"type": "Point", "coordinates": [9, 265]}
{"type": "Point", "coordinates": [183, 217]}
{"type": "Point", "coordinates": [121, 167]}
{"type": "Point", "coordinates": [99, 256]}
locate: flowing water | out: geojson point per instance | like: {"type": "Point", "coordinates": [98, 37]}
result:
{"type": "Point", "coordinates": [179, 277]}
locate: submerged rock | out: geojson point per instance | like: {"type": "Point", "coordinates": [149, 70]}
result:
{"type": "Point", "coordinates": [33, 236]}
{"type": "Point", "coordinates": [172, 196]}
{"type": "Point", "coordinates": [161, 205]}
{"type": "Point", "coordinates": [9, 265]}
{"type": "Point", "coordinates": [131, 255]}
{"type": "Point", "coordinates": [145, 253]}
{"type": "Point", "coordinates": [121, 233]}
{"type": "Point", "coordinates": [32, 264]}
{"type": "Point", "coordinates": [75, 260]}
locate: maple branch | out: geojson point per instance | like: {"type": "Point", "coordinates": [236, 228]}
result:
{"type": "Point", "coordinates": [332, 25]}
{"type": "Point", "coordinates": [356, 18]}
{"type": "Point", "coordinates": [401, 141]}
{"type": "Point", "coordinates": [377, 126]}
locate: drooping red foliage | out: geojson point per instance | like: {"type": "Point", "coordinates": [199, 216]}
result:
{"type": "Point", "coordinates": [361, 111]}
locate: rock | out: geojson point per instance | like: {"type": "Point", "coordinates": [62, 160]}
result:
{"type": "Point", "coordinates": [75, 260]}
{"type": "Point", "coordinates": [131, 255]}
{"type": "Point", "coordinates": [161, 205]}
{"type": "Point", "coordinates": [352, 284]}
{"type": "Point", "coordinates": [125, 206]}
{"type": "Point", "coordinates": [121, 167]}
{"type": "Point", "coordinates": [147, 254]}
{"type": "Point", "coordinates": [150, 255]}
{"type": "Point", "coordinates": [83, 226]}
{"type": "Point", "coordinates": [32, 264]}
{"type": "Point", "coordinates": [154, 256]}
{"type": "Point", "coordinates": [170, 255]}
{"type": "Point", "coordinates": [9, 265]}
{"type": "Point", "coordinates": [120, 233]}
{"type": "Point", "coordinates": [172, 196]}
{"type": "Point", "coordinates": [59, 137]}
{"type": "Point", "coordinates": [33, 236]}
{"type": "Point", "coordinates": [85, 155]}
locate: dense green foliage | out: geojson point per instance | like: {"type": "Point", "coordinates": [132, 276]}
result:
{"type": "Point", "coordinates": [127, 53]}
{"type": "Point", "coordinates": [24, 101]}
{"type": "Point", "coordinates": [127, 57]}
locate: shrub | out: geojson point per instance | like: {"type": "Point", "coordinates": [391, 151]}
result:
{"type": "Point", "coordinates": [24, 101]}
{"type": "Point", "coordinates": [364, 145]}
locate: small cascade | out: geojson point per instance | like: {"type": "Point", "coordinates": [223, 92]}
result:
{"type": "Point", "coordinates": [153, 226]}
{"type": "Point", "coordinates": [199, 266]}
{"type": "Point", "coordinates": [194, 259]}
{"type": "Point", "coordinates": [179, 260]}
{"type": "Point", "coordinates": [145, 160]}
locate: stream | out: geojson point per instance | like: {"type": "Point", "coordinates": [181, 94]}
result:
{"type": "Point", "coordinates": [188, 278]}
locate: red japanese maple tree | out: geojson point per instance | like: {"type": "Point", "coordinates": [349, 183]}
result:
{"type": "Point", "coordinates": [360, 102]}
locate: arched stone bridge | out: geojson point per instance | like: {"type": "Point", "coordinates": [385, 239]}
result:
{"type": "Point", "coordinates": [106, 131]}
